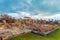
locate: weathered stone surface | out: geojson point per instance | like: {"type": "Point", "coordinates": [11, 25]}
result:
{"type": "Point", "coordinates": [9, 33]}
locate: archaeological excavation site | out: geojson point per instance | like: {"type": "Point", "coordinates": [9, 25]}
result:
{"type": "Point", "coordinates": [11, 27]}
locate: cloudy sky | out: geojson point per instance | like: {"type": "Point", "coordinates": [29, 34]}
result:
{"type": "Point", "coordinates": [45, 9]}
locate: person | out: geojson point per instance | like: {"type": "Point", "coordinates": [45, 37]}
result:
{"type": "Point", "coordinates": [1, 38]}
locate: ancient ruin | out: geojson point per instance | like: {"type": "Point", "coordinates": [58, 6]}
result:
{"type": "Point", "coordinates": [10, 27]}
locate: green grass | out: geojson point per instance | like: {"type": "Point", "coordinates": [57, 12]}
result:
{"type": "Point", "coordinates": [52, 36]}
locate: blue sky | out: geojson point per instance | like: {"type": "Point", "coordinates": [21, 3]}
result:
{"type": "Point", "coordinates": [45, 9]}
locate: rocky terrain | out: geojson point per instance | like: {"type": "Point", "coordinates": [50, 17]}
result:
{"type": "Point", "coordinates": [10, 27]}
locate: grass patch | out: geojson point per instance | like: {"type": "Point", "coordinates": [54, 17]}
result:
{"type": "Point", "coordinates": [52, 36]}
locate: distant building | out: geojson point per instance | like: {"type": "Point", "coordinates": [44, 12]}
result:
{"type": "Point", "coordinates": [27, 18]}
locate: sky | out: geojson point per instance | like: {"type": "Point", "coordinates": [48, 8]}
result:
{"type": "Point", "coordinates": [37, 9]}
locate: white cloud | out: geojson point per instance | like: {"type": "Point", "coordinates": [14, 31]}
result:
{"type": "Point", "coordinates": [51, 2]}
{"type": "Point", "coordinates": [16, 15]}
{"type": "Point", "coordinates": [25, 14]}
{"type": "Point", "coordinates": [19, 14]}
{"type": "Point", "coordinates": [39, 16]}
{"type": "Point", "coordinates": [29, 1]}
{"type": "Point", "coordinates": [56, 16]}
